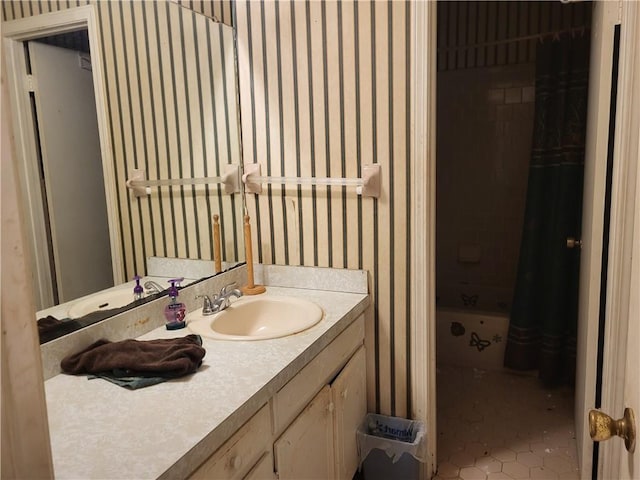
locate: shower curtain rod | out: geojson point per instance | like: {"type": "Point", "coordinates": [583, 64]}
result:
{"type": "Point", "coordinates": [555, 35]}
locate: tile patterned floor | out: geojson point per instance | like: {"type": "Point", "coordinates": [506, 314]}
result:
{"type": "Point", "coordinates": [499, 425]}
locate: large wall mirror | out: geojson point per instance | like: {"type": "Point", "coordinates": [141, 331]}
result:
{"type": "Point", "coordinates": [112, 88]}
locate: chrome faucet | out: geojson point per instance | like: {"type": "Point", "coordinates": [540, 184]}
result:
{"type": "Point", "coordinates": [223, 299]}
{"type": "Point", "coordinates": [152, 287]}
{"type": "Point", "coordinates": [220, 301]}
{"type": "Point", "coordinates": [207, 306]}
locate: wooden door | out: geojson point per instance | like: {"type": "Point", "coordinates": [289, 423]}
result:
{"type": "Point", "coordinates": [605, 16]}
{"type": "Point", "coordinates": [629, 462]}
{"type": "Point", "coordinates": [305, 449]}
{"type": "Point", "coordinates": [263, 470]}
{"type": "Point", "coordinates": [349, 395]}
{"type": "Point", "coordinates": [621, 361]}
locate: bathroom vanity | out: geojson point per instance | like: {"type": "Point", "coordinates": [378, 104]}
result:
{"type": "Point", "coordinates": [280, 408]}
{"type": "Point", "coordinates": [307, 428]}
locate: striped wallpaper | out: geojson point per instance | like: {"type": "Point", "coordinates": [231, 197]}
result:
{"type": "Point", "coordinates": [219, 10]}
{"type": "Point", "coordinates": [474, 34]}
{"type": "Point", "coordinates": [324, 89]}
{"type": "Point", "coordinates": [170, 79]}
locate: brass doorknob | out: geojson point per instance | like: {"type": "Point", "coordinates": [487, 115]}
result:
{"type": "Point", "coordinates": [603, 427]}
{"type": "Point", "coordinates": [572, 243]}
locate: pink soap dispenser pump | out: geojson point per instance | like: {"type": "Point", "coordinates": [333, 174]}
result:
{"type": "Point", "coordinates": [175, 311]}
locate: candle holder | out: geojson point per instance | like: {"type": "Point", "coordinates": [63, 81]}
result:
{"type": "Point", "coordinates": [250, 288]}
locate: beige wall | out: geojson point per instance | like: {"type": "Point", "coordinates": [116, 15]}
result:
{"type": "Point", "coordinates": [329, 83]}
{"type": "Point", "coordinates": [325, 89]}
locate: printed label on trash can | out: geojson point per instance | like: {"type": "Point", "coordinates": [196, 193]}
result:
{"type": "Point", "coordinates": [395, 436]}
{"type": "Point", "coordinates": [384, 430]}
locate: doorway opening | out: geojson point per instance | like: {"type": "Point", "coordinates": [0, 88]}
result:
{"type": "Point", "coordinates": [64, 161]}
{"type": "Point", "coordinates": [69, 164]}
{"type": "Point", "coordinates": [493, 422]}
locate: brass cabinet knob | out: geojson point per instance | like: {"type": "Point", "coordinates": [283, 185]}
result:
{"type": "Point", "coordinates": [603, 427]}
{"type": "Point", "coordinates": [572, 243]}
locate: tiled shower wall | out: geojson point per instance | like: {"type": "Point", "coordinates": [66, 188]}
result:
{"type": "Point", "coordinates": [485, 125]}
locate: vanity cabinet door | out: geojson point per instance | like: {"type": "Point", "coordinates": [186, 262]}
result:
{"type": "Point", "coordinates": [263, 469]}
{"type": "Point", "coordinates": [305, 449]}
{"type": "Point", "coordinates": [349, 397]}
{"type": "Point", "coordinates": [295, 395]}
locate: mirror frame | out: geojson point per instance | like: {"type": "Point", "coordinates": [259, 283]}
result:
{"type": "Point", "coordinates": [15, 33]}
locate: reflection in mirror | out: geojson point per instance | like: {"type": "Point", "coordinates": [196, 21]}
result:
{"type": "Point", "coordinates": [74, 210]}
{"type": "Point", "coordinates": [166, 95]}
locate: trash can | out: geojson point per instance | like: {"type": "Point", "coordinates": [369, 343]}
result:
{"type": "Point", "coordinates": [391, 447]}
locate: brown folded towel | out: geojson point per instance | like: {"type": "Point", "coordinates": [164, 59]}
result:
{"type": "Point", "coordinates": [48, 323]}
{"type": "Point", "coordinates": [172, 357]}
{"type": "Point", "coordinates": [50, 328]}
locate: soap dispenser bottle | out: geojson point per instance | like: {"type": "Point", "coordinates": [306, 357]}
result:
{"type": "Point", "coordinates": [174, 312]}
{"type": "Point", "coordinates": [138, 291]}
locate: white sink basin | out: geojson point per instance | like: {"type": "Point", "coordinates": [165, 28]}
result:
{"type": "Point", "coordinates": [101, 301]}
{"type": "Point", "coordinates": [257, 318]}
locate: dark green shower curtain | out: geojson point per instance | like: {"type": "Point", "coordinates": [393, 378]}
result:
{"type": "Point", "coordinates": [543, 324]}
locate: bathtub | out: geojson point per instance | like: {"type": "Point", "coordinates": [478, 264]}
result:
{"type": "Point", "coordinates": [471, 338]}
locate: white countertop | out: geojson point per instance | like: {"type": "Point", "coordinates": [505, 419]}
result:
{"type": "Point", "coordinates": [101, 430]}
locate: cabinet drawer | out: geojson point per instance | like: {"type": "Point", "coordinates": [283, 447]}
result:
{"type": "Point", "coordinates": [236, 457]}
{"type": "Point", "coordinates": [296, 394]}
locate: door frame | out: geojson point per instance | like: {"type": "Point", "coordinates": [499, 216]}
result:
{"type": "Point", "coordinates": [626, 176]}
{"type": "Point", "coordinates": [423, 225]}
{"type": "Point", "coordinates": [26, 450]}
{"type": "Point", "coordinates": [14, 33]}
{"type": "Point", "coordinates": [621, 243]}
